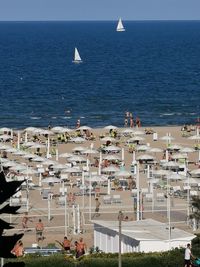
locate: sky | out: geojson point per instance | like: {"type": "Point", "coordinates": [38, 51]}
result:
{"type": "Point", "coordinates": [22, 10]}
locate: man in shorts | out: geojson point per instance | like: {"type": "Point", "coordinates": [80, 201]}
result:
{"type": "Point", "coordinates": [39, 231]}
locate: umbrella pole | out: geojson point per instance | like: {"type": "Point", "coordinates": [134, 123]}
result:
{"type": "Point", "coordinates": [138, 192]}
{"type": "Point", "coordinates": [65, 216]}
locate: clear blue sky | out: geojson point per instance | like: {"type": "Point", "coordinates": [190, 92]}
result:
{"type": "Point", "coordinates": [99, 9]}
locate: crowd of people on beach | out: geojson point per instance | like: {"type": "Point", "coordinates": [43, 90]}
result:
{"type": "Point", "coordinates": [130, 122]}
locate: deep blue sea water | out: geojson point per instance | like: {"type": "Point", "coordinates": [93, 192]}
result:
{"type": "Point", "coordinates": [152, 70]}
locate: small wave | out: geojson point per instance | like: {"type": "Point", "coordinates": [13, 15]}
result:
{"type": "Point", "coordinates": [193, 113]}
{"type": "Point", "coordinates": [167, 114]}
{"type": "Point", "coordinates": [82, 117]}
{"type": "Point", "coordinates": [66, 117]}
{"type": "Point", "coordinates": [35, 118]}
{"type": "Point", "coordinates": [53, 117]}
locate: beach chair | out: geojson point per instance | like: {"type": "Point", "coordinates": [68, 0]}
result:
{"type": "Point", "coordinates": [148, 197]}
{"type": "Point", "coordinates": [116, 199]}
{"type": "Point", "coordinates": [107, 199]}
{"type": "Point", "coordinates": [61, 200]}
{"type": "Point", "coordinates": [160, 197]}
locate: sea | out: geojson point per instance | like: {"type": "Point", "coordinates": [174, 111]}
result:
{"type": "Point", "coordinates": [151, 70]}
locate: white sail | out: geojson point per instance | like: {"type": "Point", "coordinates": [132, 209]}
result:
{"type": "Point", "coordinates": [77, 58]}
{"type": "Point", "coordinates": [120, 27]}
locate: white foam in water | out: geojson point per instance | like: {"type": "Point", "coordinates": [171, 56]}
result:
{"type": "Point", "coordinates": [66, 117]}
{"type": "Point", "coordinates": [35, 118]}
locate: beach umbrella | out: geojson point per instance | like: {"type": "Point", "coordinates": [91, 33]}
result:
{"type": "Point", "coordinates": [19, 153]}
{"type": "Point", "coordinates": [65, 155]}
{"type": "Point", "coordinates": [28, 171]}
{"type": "Point", "coordinates": [196, 171]}
{"type": "Point", "coordinates": [11, 150]}
{"type": "Point", "coordinates": [37, 145]}
{"type": "Point", "coordinates": [194, 137]}
{"type": "Point", "coordinates": [135, 139]}
{"type": "Point", "coordinates": [85, 128]}
{"type": "Point", "coordinates": [170, 164]}
{"type": "Point", "coordinates": [112, 148]}
{"type": "Point", "coordinates": [111, 157]}
{"type": "Point", "coordinates": [167, 138]}
{"type": "Point", "coordinates": [29, 156]}
{"type": "Point", "coordinates": [18, 167]}
{"type": "Point", "coordinates": [5, 129]}
{"type": "Point", "coordinates": [5, 137]}
{"type": "Point", "coordinates": [77, 140]}
{"type": "Point", "coordinates": [155, 150]}
{"type": "Point", "coordinates": [59, 166]}
{"type": "Point", "coordinates": [108, 139]}
{"type": "Point", "coordinates": [4, 147]}
{"type": "Point", "coordinates": [72, 170]}
{"type": "Point", "coordinates": [123, 173]}
{"type": "Point", "coordinates": [127, 131]}
{"type": "Point", "coordinates": [110, 127]}
{"type": "Point", "coordinates": [51, 180]}
{"type": "Point", "coordinates": [138, 132]}
{"type": "Point", "coordinates": [30, 129]}
{"type": "Point", "coordinates": [180, 156]}
{"type": "Point", "coordinates": [28, 144]}
{"type": "Point", "coordinates": [38, 159]}
{"type": "Point", "coordinates": [59, 129]}
{"type": "Point", "coordinates": [79, 148]}
{"type": "Point", "coordinates": [161, 172]}
{"type": "Point", "coordinates": [110, 169]}
{"type": "Point", "coordinates": [187, 150]}
{"type": "Point", "coordinates": [142, 148]}
{"type": "Point", "coordinates": [96, 178]}
{"type": "Point", "coordinates": [77, 159]}
{"type": "Point", "coordinates": [89, 151]}
{"type": "Point", "coordinates": [174, 147]}
{"type": "Point", "coordinates": [145, 157]}
{"type": "Point", "coordinates": [8, 163]}
{"type": "Point", "coordinates": [176, 176]}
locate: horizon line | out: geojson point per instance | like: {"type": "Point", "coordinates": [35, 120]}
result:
{"type": "Point", "coordinates": [91, 20]}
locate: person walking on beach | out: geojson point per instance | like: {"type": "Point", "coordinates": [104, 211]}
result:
{"type": "Point", "coordinates": [78, 250]}
{"type": "Point", "coordinates": [25, 220]}
{"type": "Point", "coordinates": [39, 231]}
{"type": "Point", "coordinates": [97, 205]}
{"type": "Point", "coordinates": [18, 249]}
{"type": "Point", "coordinates": [67, 244]}
{"type": "Point", "coordinates": [82, 246]}
{"type": "Point", "coordinates": [188, 256]}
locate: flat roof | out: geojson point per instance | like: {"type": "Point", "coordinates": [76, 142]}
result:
{"type": "Point", "coordinates": [147, 229]}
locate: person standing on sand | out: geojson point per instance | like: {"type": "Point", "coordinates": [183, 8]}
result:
{"type": "Point", "coordinates": [39, 231]}
{"type": "Point", "coordinates": [67, 244]}
{"type": "Point", "coordinates": [188, 256]}
{"type": "Point", "coordinates": [82, 246]}
{"type": "Point", "coordinates": [97, 205]}
{"type": "Point", "coordinates": [25, 220]}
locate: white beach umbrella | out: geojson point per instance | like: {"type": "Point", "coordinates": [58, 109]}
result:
{"type": "Point", "coordinates": [176, 176]}
{"type": "Point", "coordinates": [29, 156]}
{"type": "Point", "coordinates": [77, 159]}
{"type": "Point", "coordinates": [180, 156]}
{"type": "Point", "coordinates": [171, 164]}
{"type": "Point", "coordinates": [65, 155]}
{"type": "Point", "coordinates": [18, 167]}
{"type": "Point", "coordinates": [30, 129]}
{"type": "Point", "coordinates": [8, 163]}
{"type": "Point", "coordinates": [161, 172]}
{"type": "Point", "coordinates": [5, 129]}
{"type": "Point", "coordinates": [59, 166]}
{"type": "Point", "coordinates": [28, 171]}
{"type": "Point", "coordinates": [78, 140]}
{"type": "Point", "coordinates": [174, 147]}
{"type": "Point", "coordinates": [4, 147]}
{"type": "Point", "coordinates": [19, 153]}
{"type": "Point", "coordinates": [187, 150]}
{"type": "Point", "coordinates": [111, 157]}
{"type": "Point", "coordinates": [38, 159]}
{"type": "Point", "coordinates": [72, 170]}
{"type": "Point", "coordinates": [110, 127]}
{"type": "Point", "coordinates": [155, 150]}
{"type": "Point", "coordinates": [123, 173]}
{"type": "Point", "coordinates": [138, 132]}
{"type": "Point", "coordinates": [90, 151]}
{"type": "Point", "coordinates": [28, 144]}
{"type": "Point", "coordinates": [110, 169]}
{"type": "Point", "coordinates": [145, 157]}
{"type": "Point", "coordinates": [167, 138]}
{"type": "Point", "coordinates": [135, 139]}
{"type": "Point", "coordinates": [85, 128]}
{"type": "Point", "coordinates": [108, 139]}
{"type": "Point", "coordinates": [11, 150]}
{"type": "Point", "coordinates": [142, 148]}
{"type": "Point", "coordinates": [194, 137]}
{"type": "Point", "coordinates": [5, 137]}
{"type": "Point", "coordinates": [127, 131]}
{"type": "Point", "coordinates": [196, 171]}
{"type": "Point", "coordinates": [79, 148]}
{"type": "Point", "coordinates": [51, 180]}
{"type": "Point", "coordinates": [97, 178]}
{"type": "Point", "coordinates": [112, 148]}
{"type": "Point", "coordinates": [37, 145]}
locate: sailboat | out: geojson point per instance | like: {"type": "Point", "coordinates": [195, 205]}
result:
{"type": "Point", "coordinates": [77, 58]}
{"type": "Point", "coordinates": [120, 27]}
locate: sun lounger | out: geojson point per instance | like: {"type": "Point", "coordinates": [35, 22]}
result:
{"type": "Point", "coordinates": [107, 199]}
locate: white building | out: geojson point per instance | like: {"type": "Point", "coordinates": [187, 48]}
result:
{"type": "Point", "coordinates": [139, 236]}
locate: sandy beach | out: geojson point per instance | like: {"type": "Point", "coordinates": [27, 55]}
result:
{"type": "Point", "coordinates": [60, 221]}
